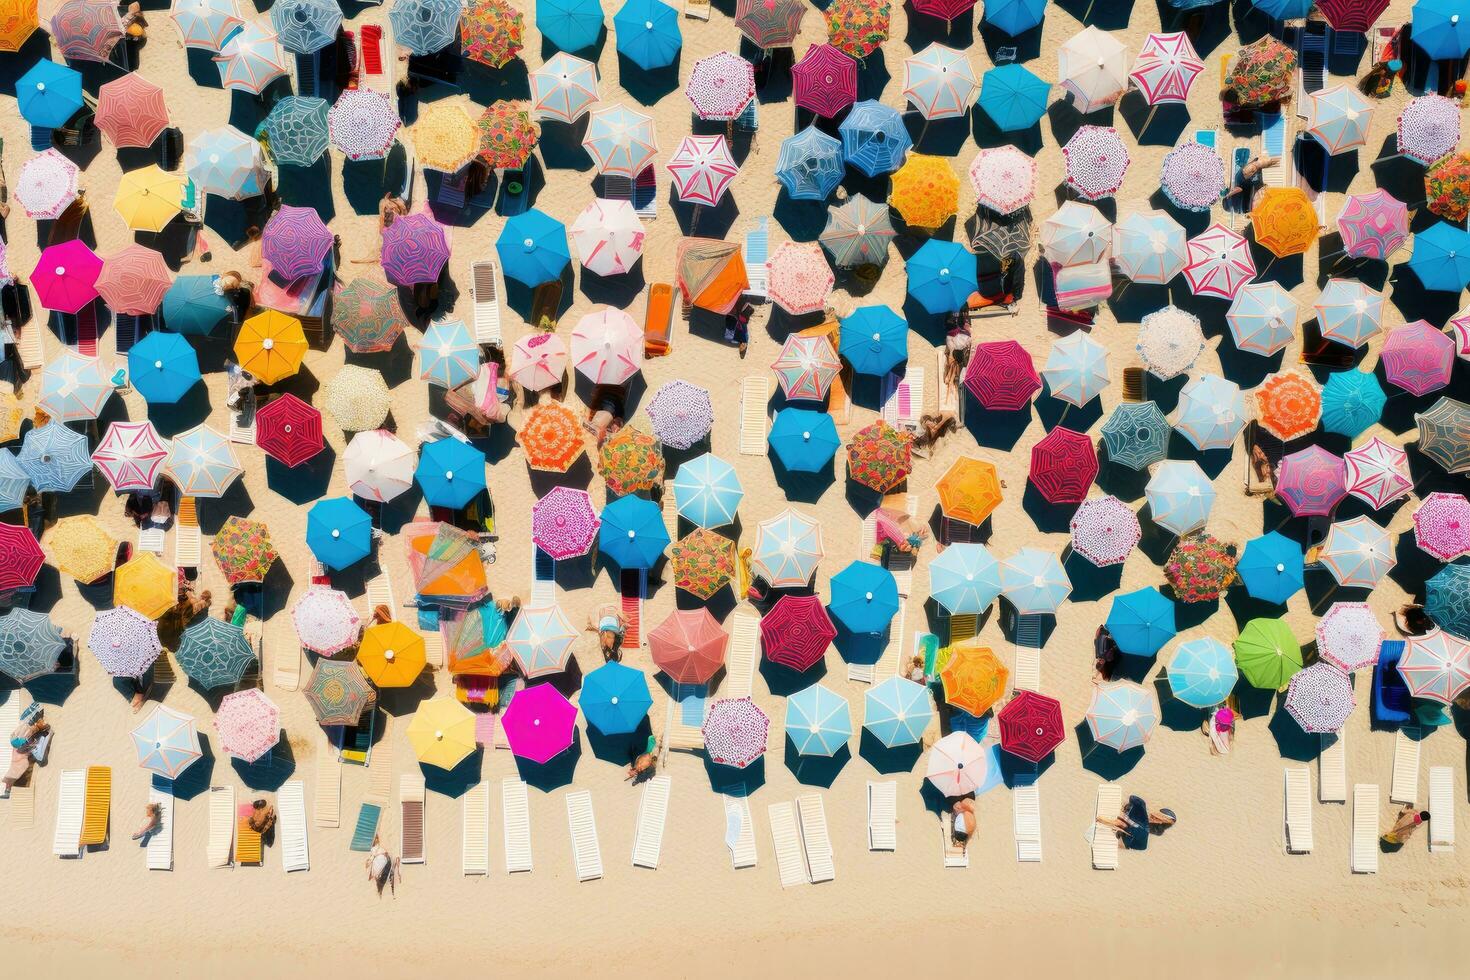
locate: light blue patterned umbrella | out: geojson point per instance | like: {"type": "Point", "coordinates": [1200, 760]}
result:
{"type": "Point", "coordinates": [30, 645]}
{"type": "Point", "coordinates": [1351, 401]}
{"type": "Point", "coordinates": [787, 549]}
{"type": "Point", "coordinates": [1338, 117]}
{"type": "Point", "coordinates": [874, 139]}
{"type": "Point", "coordinates": [297, 130]}
{"type": "Point", "coordinates": [1349, 312]}
{"type": "Point", "coordinates": [818, 721]}
{"type": "Point", "coordinates": [54, 457]}
{"type": "Point", "coordinates": [74, 388]}
{"type": "Point", "coordinates": [13, 481]}
{"type": "Point", "coordinates": [448, 355]}
{"type": "Point", "coordinates": [897, 711]}
{"type": "Point", "coordinates": [1202, 673]}
{"type": "Point", "coordinates": [1034, 581]}
{"type": "Point", "coordinates": [225, 162]}
{"type": "Point", "coordinates": [965, 579]}
{"type": "Point", "coordinates": [1076, 369]}
{"type": "Point", "coordinates": [1262, 317]}
{"type": "Point", "coordinates": [1149, 247]}
{"type": "Point", "coordinates": [206, 24]}
{"type": "Point", "coordinates": [809, 165]}
{"type": "Point", "coordinates": [707, 491]}
{"type": "Point", "coordinates": [541, 640]}
{"type": "Point", "coordinates": [214, 653]}
{"type": "Point", "coordinates": [195, 305]}
{"type": "Point", "coordinates": [620, 140]}
{"type": "Point", "coordinates": [1211, 412]}
{"type": "Point", "coordinates": [167, 742]}
{"type": "Point", "coordinates": [202, 462]}
{"type": "Point", "coordinates": [1180, 496]}
{"type": "Point", "coordinates": [425, 26]}
{"type": "Point", "coordinates": [306, 26]}
{"type": "Point", "coordinates": [1136, 434]}
{"type": "Point", "coordinates": [1122, 715]}
{"type": "Point", "coordinates": [1358, 553]}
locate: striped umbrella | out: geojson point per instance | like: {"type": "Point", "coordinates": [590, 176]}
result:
{"type": "Point", "coordinates": [1031, 726]}
{"type": "Point", "coordinates": [940, 82]}
{"type": "Point", "coordinates": [1352, 15]}
{"type": "Point", "coordinates": [225, 162]}
{"type": "Point", "coordinates": [563, 88]}
{"type": "Point", "coordinates": [858, 233]}
{"type": "Point", "coordinates": [541, 640]}
{"type": "Point", "coordinates": [1263, 318]}
{"type": "Point", "coordinates": [1428, 128]}
{"type": "Point", "coordinates": [825, 79]}
{"type": "Point", "coordinates": [689, 646]}
{"type": "Point", "coordinates": [1373, 225]}
{"type": "Point", "coordinates": [1211, 412]}
{"type": "Point", "coordinates": [1358, 552]}
{"type": "Point", "coordinates": [296, 242]}
{"type": "Point", "coordinates": [1436, 666]}
{"type": "Point", "coordinates": [167, 742]}
{"type": "Point", "coordinates": [415, 250]}
{"type": "Point", "coordinates": [248, 724]}
{"type": "Point", "coordinates": [1418, 358]}
{"type": "Point", "coordinates": [1096, 161]}
{"type": "Point", "coordinates": [425, 26]}
{"type": "Point", "coordinates": [787, 549]}
{"type": "Point", "coordinates": [86, 30]}
{"type": "Point", "coordinates": [620, 141]}
{"type": "Point", "coordinates": [1312, 482]}
{"type": "Point", "coordinates": [735, 732]}
{"type": "Point", "coordinates": [448, 355]}
{"type": "Point", "coordinates": [1338, 117]}
{"type": "Point", "coordinates": [1219, 263]}
{"type": "Point", "coordinates": [251, 59]}
{"type": "Point", "coordinates": [337, 692]}
{"type": "Point", "coordinates": [1442, 525]}
{"type": "Point", "coordinates": [1192, 176]}
{"type": "Point", "coordinates": [703, 169]}
{"type": "Point", "coordinates": [609, 237]}
{"type": "Point", "coordinates": [818, 721]}
{"type": "Point", "coordinates": [214, 653]}
{"type": "Point", "coordinates": [30, 644]}
{"type": "Point", "coordinates": [1063, 466]}
{"type": "Point", "coordinates": [367, 316]}
{"type": "Point", "coordinates": [1002, 376]}
{"type": "Point", "coordinates": [809, 165]}
{"type": "Point", "coordinates": [1180, 496]}
{"type": "Point", "coordinates": [681, 414]}
{"type": "Point", "coordinates": [74, 387]}
{"type": "Point", "coordinates": [326, 621]}
{"type": "Point", "coordinates": [1349, 312]}
{"type": "Point", "coordinates": [22, 557]}
{"type": "Point", "coordinates": [897, 711]}
{"type": "Point", "coordinates": [1004, 179]}
{"type": "Point", "coordinates": [1288, 405]}
{"type": "Point", "coordinates": [124, 641]}
{"type": "Point", "coordinates": [1348, 635]}
{"type": "Point", "coordinates": [47, 183]}
{"type": "Point", "coordinates": [1136, 434]}
{"type": "Point", "coordinates": [202, 462]}
{"type": "Point", "coordinates": [134, 280]}
{"type": "Point", "coordinates": [1105, 531]}
{"type": "Point", "coordinates": [1320, 698]}
{"type": "Point", "coordinates": [297, 130]}
{"type": "Point", "coordinates": [131, 111]}
{"type": "Point", "coordinates": [874, 139]}
{"type": "Point", "coordinates": [1122, 715]}
{"type": "Point", "coordinates": [1202, 673]}
{"type": "Point", "coordinates": [1377, 472]}
{"type": "Point", "coordinates": [806, 367]}
{"type": "Point", "coordinates": [131, 455]}
{"type": "Point", "coordinates": [797, 632]}
{"type": "Point", "coordinates": [206, 24]}
{"type": "Point", "coordinates": [1166, 67]}
{"type": "Point", "coordinates": [607, 347]}
{"type": "Point", "coordinates": [770, 23]}
{"type": "Point", "coordinates": [54, 457]}
{"type": "Point", "coordinates": [563, 523]}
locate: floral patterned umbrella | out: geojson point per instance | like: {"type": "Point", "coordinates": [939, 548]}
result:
{"type": "Point", "coordinates": [1358, 553]}
{"type": "Point", "coordinates": [1096, 161]}
{"type": "Point", "coordinates": [125, 642]}
{"type": "Point", "coordinates": [1378, 473]}
{"type": "Point", "coordinates": [491, 32]}
{"type": "Point", "coordinates": [1442, 525]}
{"type": "Point", "coordinates": [858, 27]}
{"type": "Point", "coordinates": [1444, 434]}
{"type": "Point", "coordinates": [1418, 358]}
{"type": "Point", "coordinates": [1284, 221]}
{"type": "Point", "coordinates": [1105, 531]}
{"type": "Point", "coordinates": [800, 279]}
{"type": "Point", "coordinates": [681, 413]}
{"type": "Point", "coordinates": [703, 169]}
{"type": "Point", "coordinates": [1166, 67]}
{"type": "Point", "coordinates": [735, 731]}
{"type": "Point", "coordinates": [704, 563]}
{"type": "Point", "coordinates": [1312, 482]}
{"type": "Point", "coordinates": [974, 679]}
{"type": "Point", "coordinates": [721, 86]}
{"type": "Point", "coordinates": [1063, 466]}
{"type": "Point", "coordinates": [1288, 404]}
{"type": "Point", "coordinates": [244, 551]}
{"type": "Point", "coordinates": [925, 191]}
{"type": "Point", "coordinates": [1004, 179]}
{"type": "Point", "coordinates": [1373, 225]}
{"type": "Point", "coordinates": [47, 183]}
{"type": "Point", "coordinates": [563, 523]}
{"type": "Point", "coordinates": [1200, 568]}
{"type": "Point", "coordinates": [1219, 263]}
{"type": "Point", "coordinates": [770, 23]}
{"type": "Point", "coordinates": [1429, 128]}
{"type": "Point", "coordinates": [879, 456]}
{"type": "Point", "coordinates": [1320, 698]}
{"type": "Point", "coordinates": [131, 455]}
{"type": "Point", "coordinates": [86, 30]}
{"type": "Point", "coordinates": [1169, 341]}
{"type": "Point", "coordinates": [81, 547]}
{"type": "Point", "coordinates": [248, 724]}
{"type": "Point", "coordinates": [1348, 635]}
{"type": "Point", "coordinates": [825, 79]}
{"type": "Point", "coordinates": [630, 462]}
{"type": "Point", "coordinates": [1262, 72]}
{"type": "Point", "coordinates": [367, 316]}
{"type": "Point", "coordinates": [325, 620]}
{"type": "Point", "coordinates": [1192, 176]}
{"type": "Point", "coordinates": [1002, 376]}
{"type": "Point", "coordinates": [551, 437]}
{"type": "Point", "coordinates": [445, 138]}
{"type": "Point", "coordinates": [805, 367]}
{"type": "Point", "coordinates": [1447, 187]}
{"type": "Point", "coordinates": [507, 135]}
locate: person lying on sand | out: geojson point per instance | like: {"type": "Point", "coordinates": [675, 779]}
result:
{"type": "Point", "coordinates": [1136, 822]}
{"type": "Point", "coordinates": [1404, 825]}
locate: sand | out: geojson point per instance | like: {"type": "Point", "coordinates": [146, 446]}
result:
{"type": "Point", "coordinates": [1217, 895]}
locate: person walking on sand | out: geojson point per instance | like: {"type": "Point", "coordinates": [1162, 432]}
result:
{"type": "Point", "coordinates": [381, 867]}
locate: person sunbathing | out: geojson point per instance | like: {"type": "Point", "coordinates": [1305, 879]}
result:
{"type": "Point", "coordinates": [933, 426]}
{"type": "Point", "coordinates": [963, 821]}
{"type": "Point", "coordinates": [262, 817]}
{"type": "Point", "coordinates": [1136, 822]}
{"type": "Point", "coordinates": [152, 821]}
{"type": "Point", "coordinates": [900, 529]}
{"type": "Point", "coordinates": [610, 625]}
{"type": "Point", "coordinates": [1404, 826]}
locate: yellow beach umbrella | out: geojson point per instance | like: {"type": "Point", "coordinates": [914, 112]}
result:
{"type": "Point", "coordinates": [149, 198]}
{"type": "Point", "coordinates": [391, 654]}
{"type": "Point", "coordinates": [147, 585]}
{"type": "Point", "coordinates": [446, 138]}
{"type": "Point", "coordinates": [81, 547]}
{"type": "Point", "coordinates": [926, 191]}
{"type": "Point", "coordinates": [271, 345]}
{"type": "Point", "coordinates": [442, 733]}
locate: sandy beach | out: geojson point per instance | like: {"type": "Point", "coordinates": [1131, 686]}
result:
{"type": "Point", "coordinates": [1217, 895]}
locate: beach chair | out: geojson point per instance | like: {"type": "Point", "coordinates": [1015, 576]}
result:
{"type": "Point", "coordinates": [249, 849]}
{"type": "Point", "coordinates": [1441, 809]}
{"type": "Point", "coordinates": [1364, 854]}
{"type": "Point", "coordinates": [370, 39]}
{"type": "Point", "coordinates": [955, 854]}
{"type": "Point", "coordinates": [328, 789]}
{"type": "Point", "coordinates": [633, 587]}
{"type": "Point", "coordinates": [1026, 823]}
{"type": "Point", "coordinates": [1274, 143]}
{"type": "Point", "coordinates": [582, 825]}
{"type": "Point", "coordinates": [697, 9]}
{"type": "Point", "coordinates": [29, 348]}
{"type": "Point", "coordinates": [380, 768]}
{"type": "Point", "coordinates": [1332, 769]}
{"type": "Point", "coordinates": [962, 627]}
{"type": "Point", "coordinates": [1298, 810]}
{"type": "Point", "coordinates": [242, 421]}
{"type": "Point", "coordinates": [757, 252]}
{"type": "Point", "coordinates": [285, 659]}
{"type": "Point", "coordinates": [516, 824]}
{"type": "Point", "coordinates": [221, 826]}
{"type": "Point", "coordinates": [546, 303]}
{"type": "Point", "coordinates": [42, 138]}
{"type": "Point", "coordinates": [901, 563]}
{"type": "Point", "coordinates": [754, 393]}
{"type": "Point", "coordinates": [451, 192]}
{"type": "Point", "coordinates": [789, 864]}
{"type": "Point", "coordinates": [411, 830]}
{"type": "Point", "coordinates": [911, 393]}
{"type": "Point", "coordinates": [658, 320]}
{"type": "Point", "coordinates": [645, 193]}
{"type": "Point", "coordinates": [151, 539]}
{"type": "Point", "coordinates": [740, 665]}
{"type": "Point", "coordinates": [680, 734]}
{"type": "Point", "coordinates": [160, 847]}
{"type": "Point", "coordinates": [648, 833]}
{"type": "Point", "coordinates": [355, 742]}
{"type": "Point", "coordinates": [97, 806]}
{"type": "Point", "coordinates": [71, 797]}
{"type": "Point", "coordinates": [1027, 676]}
{"type": "Point", "coordinates": [87, 330]}
{"type": "Point", "coordinates": [1312, 63]}
{"type": "Point", "coordinates": [366, 827]}
{"type": "Point", "coordinates": [485, 291]}
{"type": "Point", "coordinates": [1391, 699]}
{"type": "Point", "coordinates": [890, 664]}
{"type": "Point", "coordinates": [815, 842]}
{"type": "Point", "coordinates": [739, 832]}
{"type": "Point", "coordinates": [1404, 787]}
{"type": "Point", "coordinates": [882, 815]}
{"type": "Point", "coordinates": [543, 579]}
{"type": "Point", "coordinates": [475, 845]}
{"type": "Point", "coordinates": [291, 815]}
{"type": "Point", "coordinates": [1104, 840]}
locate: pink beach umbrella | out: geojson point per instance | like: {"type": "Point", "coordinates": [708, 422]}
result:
{"type": "Point", "coordinates": [735, 732]}
{"type": "Point", "coordinates": [1096, 161]}
{"type": "Point", "coordinates": [131, 111]}
{"type": "Point", "coordinates": [1442, 525]}
{"type": "Point", "coordinates": [689, 646]}
{"type": "Point", "coordinates": [607, 347]}
{"type": "Point", "coordinates": [134, 280]}
{"type": "Point", "coordinates": [1312, 482]}
{"type": "Point", "coordinates": [131, 455]}
{"type": "Point", "coordinates": [703, 169]}
{"type": "Point", "coordinates": [1418, 358]}
{"type": "Point", "coordinates": [295, 241]}
{"type": "Point", "coordinates": [248, 724]}
{"type": "Point", "coordinates": [1378, 473]}
{"type": "Point", "coordinates": [65, 276]}
{"type": "Point", "coordinates": [1219, 262]}
{"type": "Point", "coordinates": [538, 361]}
{"type": "Point", "coordinates": [46, 185]}
{"type": "Point", "coordinates": [721, 86]}
{"type": "Point", "coordinates": [1105, 531]}
{"type": "Point", "coordinates": [1373, 225]}
{"type": "Point", "coordinates": [797, 632]}
{"type": "Point", "coordinates": [800, 279]}
{"type": "Point", "coordinates": [1436, 666]}
{"type": "Point", "coordinates": [325, 621]}
{"type": "Point", "coordinates": [1348, 635]}
{"type": "Point", "coordinates": [825, 80]}
{"type": "Point", "coordinates": [1002, 376]}
{"type": "Point", "coordinates": [957, 764]}
{"type": "Point", "coordinates": [563, 523]}
{"type": "Point", "coordinates": [609, 237]}
{"type": "Point", "coordinates": [86, 30]}
{"type": "Point", "coordinates": [539, 723]}
{"type": "Point", "coordinates": [1004, 179]}
{"type": "Point", "coordinates": [1166, 67]}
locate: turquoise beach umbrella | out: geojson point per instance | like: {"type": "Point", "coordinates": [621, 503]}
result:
{"type": "Point", "coordinates": [1014, 16]}
{"type": "Point", "coordinates": [648, 33]}
{"type": "Point", "coordinates": [450, 472]}
{"type": "Point", "coordinates": [13, 481]}
{"type": "Point", "coordinates": [167, 742]}
{"type": "Point", "coordinates": [942, 276]}
{"type": "Point", "coordinates": [1034, 581]}
{"type": "Point", "coordinates": [297, 130]}
{"type": "Point", "coordinates": [49, 94]}
{"type": "Point", "coordinates": [1136, 434]}
{"type": "Point", "coordinates": [163, 367]}
{"type": "Point", "coordinates": [571, 25]}
{"type": "Point", "coordinates": [1202, 673]}
{"type": "Point", "coordinates": [874, 339]}
{"type": "Point", "coordinates": [615, 698]}
{"type": "Point", "coordinates": [632, 534]}
{"type": "Point", "coordinates": [1283, 9]}
{"type": "Point", "coordinates": [425, 26]}
{"type": "Point", "coordinates": [707, 491]}
{"type": "Point", "coordinates": [193, 305]}
{"type": "Point", "coordinates": [448, 355]}
{"type": "Point", "coordinates": [338, 532]}
{"type": "Point", "coordinates": [1441, 256]}
{"type": "Point", "coordinates": [1013, 97]}
{"type": "Point", "coordinates": [804, 441]}
{"type": "Point", "coordinates": [818, 721]}
{"type": "Point", "coordinates": [533, 248]}
{"type": "Point", "coordinates": [965, 579]}
{"type": "Point", "coordinates": [1271, 566]}
{"type": "Point", "coordinates": [874, 138]}
{"type": "Point", "coordinates": [897, 711]}
{"type": "Point", "coordinates": [1141, 621]}
{"type": "Point", "coordinates": [1351, 401]}
{"type": "Point", "coordinates": [864, 597]}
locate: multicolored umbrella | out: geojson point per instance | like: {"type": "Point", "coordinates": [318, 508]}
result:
{"type": "Point", "coordinates": [65, 276]}
{"type": "Point", "coordinates": [1358, 553]}
{"type": "Point", "coordinates": [1442, 525]}
{"type": "Point", "coordinates": [735, 732]}
{"type": "Point", "coordinates": [770, 23]}
{"type": "Point", "coordinates": [703, 169]}
{"type": "Point", "coordinates": [250, 59]}
{"type": "Point", "coordinates": [491, 33]}
{"type": "Point", "coordinates": [1211, 412]}
{"type": "Point", "coordinates": [1169, 341]}
{"type": "Point", "coordinates": [1312, 482]}
{"type": "Point", "coordinates": [1436, 666]}
{"type": "Point", "coordinates": [1418, 358]}
{"type": "Point", "coordinates": [508, 134]}
{"type": "Point", "coordinates": [704, 563]}
{"type": "Point", "coordinates": [1063, 466]}
{"type": "Point", "coordinates": [858, 233]}
{"type": "Point", "coordinates": [1429, 128]}
{"type": "Point", "coordinates": [1202, 673]}
{"type": "Point", "coordinates": [1378, 473]}
{"type": "Point", "coordinates": [74, 387]}
{"type": "Point", "coordinates": [125, 642]}
{"type": "Point", "coordinates": [248, 724]}
{"type": "Point", "coordinates": [563, 523]}
{"type": "Point", "coordinates": [1263, 318]}
{"type": "Point", "coordinates": [167, 742]}
{"type": "Point", "coordinates": [225, 162]}
{"type": "Point", "coordinates": [415, 250]}
{"type": "Point", "coordinates": [1192, 176]}
{"type": "Point", "coordinates": [858, 27]}
{"type": "Point", "coordinates": [630, 462]}
{"type": "Point", "coordinates": [925, 191]}
{"type": "Point", "coordinates": [897, 712]}
{"type": "Point", "coordinates": [298, 129]}
{"type": "Point", "coordinates": [202, 462]}
{"type": "Point", "coordinates": [609, 237]}
{"type": "Point", "coordinates": [1262, 72]}
{"type": "Point", "coordinates": [539, 723]}
{"type": "Point", "coordinates": [711, 273]}
{"type": "Point", "coordinates": [874, 139]}
{"type": "Point", "coordinates": [367, 316]}
{"type": "Point", "coordinates": [809, 165]}
{"type": "Point", "coordinates": [825, 79]}
{"type": "Point", "coordinates": [818, 720]}
{"type": "Point", "coordinates": [615, 698]}
{"type": "Point", "coordinates": [1004, 179]}
{"type": "Point", "coordinates": [1348, 635]}
{"type": "Point", "coordinates": [787, 549]}
{"type": "Point", "coordinates": [551, 437]}
{"type": "Point", "coordinates": [806, 367]}
{"type": "Point", "coordinates": [541, 640]}
{"type": "Point", "coordinates": [879, 457]}
{"type": "Point", "coordinates": [81, 547]}
{"type": "Point", "coordinates": [1284, 221]}
{"type": "Point", "coordinates": [1200, 568]}
{"type": "Point", "coordinates": [1076, 234]}
{"type": "Point", "coordinates": [1373, 225]}
{"type": "Point", "coordinates": [426, 26]}
{"type": "Point", "coordinates": [689, 646]}
{"type": "Point", "coordinates": [1288, 405]}
{"type": "Point", "coordinates": [1219, 263]}
{"type": "Point", "coordinates": [1093, 67]}
{"type": "Point", "coordinates": [1122, 715]}
{"type": "Point", "coordinates": [86, 30]}
{"type": "Point", "coordinates": [1013, 97]}
{"type": "Point", "coordinates": [1001, 376]}
{"type": "Point", "coordinates": [326, 621]}
{"type": "Point", "coordinates": [1338, 117]}
{"type": "Point", "coordinates": [707, 491]}
{"type": "Point", "coordinates": [1105, 531]}
{"type": "Point", "coordinates": [47, 183]}
{"type": "Point", "coordinates": [214, 653]}
{"type": "Point", "coordinates": [357, 398]}
{"type": "Point", "coordinates": [797, 632]}
{"type": "Point", "coordinates": [1096, 161]}
{"type": "Point", "coordinates": [338, 692]}
{"type": "Point", "coordinates": [1444, 434]}
{"type": "Point", "coordinates": [1031, 726]}
{"type": "Point", "coordinates": [243, 549]}
{"type": "Point", "coordinates": [54, 457]}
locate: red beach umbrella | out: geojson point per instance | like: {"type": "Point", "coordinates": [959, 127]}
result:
{"type": "Point", "coordinates": [1002, 376]}
{"type": "Point", "coordinates": [1063, 466]}
{"type": "Point", "coordinates": [796, 632]}
{"type": "Point", "coordinates": [134, 280]}
{"type": "Point", "coordinates": [288, 429]}
{"type": "Point", "coordinates": [131, 111]}
{"type": "Point", "coordinates": [1031, 726]}
{"type": "Point", "coordinates": [689, 645]}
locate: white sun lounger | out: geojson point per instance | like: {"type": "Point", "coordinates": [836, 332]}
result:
{"type": "Point", "coordinates": [151, 539]}
{"type": "Point", "coordinates": [891, 663]}
{"type": "Point", "coordinates": [740, 667]}
{"type": "Point", "coordinates": [582, 824]}
{"type": "Point", "coordinates": [789, 864]}
{"type": "Point", "coordinates": [814, 838]}
{"type": "Point", "coordinates": [221, 827]}
{"type": "Point", "coordinates": [285, 656]}
{"type": "Point", "coordinates": [413, 821]}
{"type": "Point", "coordinates": [515, 818]}
{"type": "Point", "coordinates": [754, 393]}
{"type": "Point", "coordinates": [1104, 840]}
{"type": "Point", "coordinates": [1405, 785]}
{"type": "Point", "coordinates": [30, 348]}
{"type": "Point", "coordinates": [475, 849]}
{"type": "Point", "coordinates": [955, 855]}
{"type": "Point", "coordinates": [380, 593]}
{"type": "Point", "coordinates": [1026, 823]}
{"type": "Point", "coordinates": [677, 735]}
{"type": "Point", "coordinates": [653, 810]}
{"type": "Point", "coordinates": [1298, 810]}
{"type": "Point", "coordinates": [742, 848]}
{"type": "Point", "coordinates": [291, 805]}
{"type": "Point", "coordinates": [1332, 769]}
{"type": "Point", "coordinates": [160, 847]}
{"type": "Point", "coordinates": [1028, 669]}
{"type": "Point", "coordinates": [757, 247]}
{"type": "Point", "coordinates": [882, 815]}
{"type": "Point", "coordinates": [433, 648]}
{"type": "Point", "coordinates": [1441, 809]}
{"type": "Point", "coordinates": [380, 767]}
{"type": "Point", "coordinates": [188, 545]}
{"type": "Point", "coordinates": [485, 291]}
{"type": "Point", "coordinates": [70, 804]}
{"type": "Point", "coordinates": [1365, 829]}
{"type": "Point", "coordinates": [328, 788]}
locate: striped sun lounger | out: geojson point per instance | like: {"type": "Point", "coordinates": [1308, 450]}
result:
{"type": "Point", "coordinates": [516, 822]}
{"type": "Point", "coordinates": [249, 849]}
{"type": "Point", "coordinates": [97, 808]}
{"type": "Point", "coordinates": [1026, 823]}
{"type": "Point", "coordinates": [291, 804]}
{"type": "Point", "coordinates": [366, 828]}
{"type": "Point", "coordinates": [160, 846]}
{"type": "Point", "coordinates": [754, 393]}
{"type": "Point", "coordinates": [789, 864]}
{"type": "Point", "coordinates": [582, 825]}
{"type": "Point", "coordinates": [740, 666]}
{"type": "Point", "coordinates": [653, 810]}
{"type": "Point", "coordinates": [1332, 769]}
{"type": "Point", "coordinates": [1364, 851]}
{"type": "Point", "coordinates": [475, 847]}
{"type": "Point", "coordinates": [1298, 810]}
{"type": "Point", "coordinates": [411, 823]}
{"type": "Point", "coordinates": [882, 819]}
{"type": "Point", "coordinates": [815, 842]}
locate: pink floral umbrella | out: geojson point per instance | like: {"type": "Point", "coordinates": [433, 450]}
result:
{"type": "Point", "coordinates": [1348, 635]}
{"type": "Point", "coordinates": [825, 80]}
{"type": "Point", "coordinates": [1096, 161]}
{"type": "Point", "coordinates": [805, 367]}
{"type": "Point", "coordinates": [46, 185]}
{"type": "Point", "coordinates": [703, 169]}
{"type": "Point", "coordinates": [1418, 358]}
{"type": "Point", "coordinates": [1373, 225]}
{"type": "Point", "coordinates": [1442, 525]}
{"type": "Point", "coordinates": [800, 279]}
{"type": "Point", "coordinates": [1378, 472]}
{"type": "Point", "coordinates": [538, 361]}
{"type": "Point", "coordinates": [249, 725]}
{"type": "Point", "coordinates": [131, 455]}
{"type": "Point", "coordinates": [1105, 531]}
{"type": "Point", "coordinates": [1429, 128]}
{"type": "Point", "coordinates": [1166, 67]}
{"type": "Point", "coordinates": [607, 347]}
{"type": "Point", "coordinates": [563, 523]}
{"type": "Point", "coordinates": [1219, 262]}
{"type": "Point", "coordinates": [325, 621]}
{"type": "Point", "coordinates": [735, 732]}
{"type": "Point", "coordinates": [721, 86]}
{"type": "Point", "coordinates": [1312, 482]}
{"type": "Point", "coordinates": [1004, 179]}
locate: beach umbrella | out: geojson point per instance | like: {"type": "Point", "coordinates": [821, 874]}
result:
{"type": "Point", "coordinates": [447, 566]}
{"type": "Point", "coordinates": [825, 79]}
{"type": "Point", "coordinates": [306, 26]}
{"type": "Point", "coordinates": [1358, 553]}
{"type": "Point", "coordinates": [1063, 466]}
{"type": "Point", "coordinates": [1442, 525]}
{"type": "Point", "coordinates": [1180, 496]}
{"type": "Point", "coordinates": [818, 721]}
{"type": "Point", "coordinates": [1377, 472]}
{"type": "Point", "coordinates": [1001, 375]}
{"type": "Point", "coordinates": [74, 388]}
{"type": "Point", "coordinates": [1271, 567]}
{"type": "Point", "coordinates": [607, 347]}
{"type": "Point", "coordinates": [569, 24]}
{"type": "Point", "coordinates": [194, 305]}
{"type": "Point", "coordinates": [532, 247]}
{"type": "Point", "coordinates": [1440, 28]}
{"type": "Point", "coordinates": [1418, 358]}
{"type": "Point", "coordinates": [248, 725]}
{"type": "Point", "coordinates": [1338, 117]}
{"type": "Point", "coordinates": [1428, 128]}
{"type": "Point", "coordinates": [271, 345]}
{"type": "Point", "coordinates": [1351, 401]}
{"type": "Point", "coordinates": [1349, 312]}
{"type": "Point", "coordinates": [1312, 482]}
{"type": "Point", "coordinates": [1169, 341]}
{"type": "Point", "coordinates": [1447, 598]}
{"type": "Point", "coordinates": [1436, 666]}
{"type": "Point", "coordinates": [1166, 67]}
{"type": "Point", "coordinates": [609, 237]}
{"type": "Point", "coordinates": [508, 134]}
{"type": "Point", "coordinates": [47, 183]}
{"type": "Point", "coordinates": [630, 461]}
{"type": "Point", "coordinates": [86, 30]}
{"type": "Point", "coordinates": [1013, 97]}
{"type": "Point", "coordinates": [1441, 258]}
{"type": "Point", "coordinates": [22, 556]}
{"type": "Point", "coordinates": [539, 723]}
{"type": "Point", "coordinates": [689, 646]}
{"type": "Point", "coordinates": [81, 547]}
{"type": "Point", "coordinates": [445, 138]}
{"type": "Point", "coordinates": [615, 698]}
{"type": "Point", "coordinates": [206, 24]}
{"type": "Point", "coordinates": [965, 579]}
{"type": "Point", "coordinates": [1013, 17]}
{"type": "Point", "coordinates": [957, 765]}
{"type": "Point", "coordinates": [214, 653]}
{"type": "Point", "coordinates": [243, 550]}
{"type": "Point", "coordinates": [1192, 176]}
{"type": "Point", "coordinates": [1200, 568]}
{"type": "Point", "coordinates": [1220, 263]}
{"type": "Point", "coordinates": [941, 276]}
{"type": "Point", "coordinates": [541, 640]}
{"type": "Point", "coordinates": [225, 162]}
{"type": "Point", "coordinates": [1004, 179]}
{"type": "Point", "coordinates": [391, 655]}
{"type": "Point", "coordinates": [338, 532]}
{"type": "Point", "coordinates": [711, 273]}
{"type": "Point", "coordinates": [1034, 582]}
{"type": "Point", "coordinates": [1372, 225]}
{"type": "Point", "coordinates": [357, 398]}
{"type": "Point", "coordinates": [566, 86]}
{"type": "Point", "coordinates": [720, 86]}
{"type": "Point", "coordinates": [858, 232]}
{"type": "Point", "coordinates": [131, 111]}
{"type": "Point", "coordinates": [897, 711]}
{"type": "Point", "coordinates": [296, 243]}
{"type": "Point", "coordinates": [426, 27]}
{"type": "Point", "coordinates": [799, 279]}
{"type": "Point", "coordinates": [30, 644]}
{"type": "Point", "coordinates": [1320, 698]}
{"type": "Point", "coordinates": [325, 620]}
{"type": "Point", "coordinates": [1352, 15]}
{"type": "Point", "coordinates": [416, 248]}
{"type": "Point", "coordinates": [163, 368]}
{"type": "Point", "coordinates": [796, 632]}
{"type": "Point", "coordinates": [1076, 369]}
{"type": "Point", "coordinates": [1288, 405]}
{"type": "Point", "coordinates": [620, 141]}
{"type": "Point", "coordinates": [1105, 531]}
{"type": "Point", "coordinates": [563, 523]}
{"type": "Point", "coordinates": [13, 481]}
{"type": "Point", "coordinates": [1202, 673]}
{"type": "Point", "coordinates": [125, 642]}
{"type": "Point", "coordinates": [1149, 247]}
{"type": "Point", "coordinates": [1348, 636]}
{"type": "Point", "coordinates": [1283, 9]}
{"type": "Point", "coordinates": [167, 742]}
{"type": "Point", "coordinates": [858, 27]}
{"type": "Point", "coordinates": [367, 316]}
{"type": "Point", "coordinates": [1093, 67]}
{"type": "Point", "coordinates": [633, 533]}
{"type": "Point", "coordinates": [1444, 434]}
{"type": "Point", "coordinates": [1076, 234]}
{"type": "Point", "coordinates": [1122, 715]}
{"type": "Point", "coordinates": [735, 732]}
{"type": "Point", "coordinates": [297, 130]}
{"type": "Point", "coordinates": [703, 169]}
{"type": "Point", "coordinates": [1141, 621]}
{"type": "Point", "coordinates": [704, 562]}
{"type": "Point", "coordinates": [647, 34]}
{"type": "Point", "coordinates": [1031, 726]}
{"type": "Point", "coordinates": [146, 584]}
{"type": "Point", "coordinates": [707, 491]}
{"type": "Point", "coordinates": [337, 692]}
{"type": "Point", "coordinates": [879, 457]}
{"type": "Point", "coordinates": [1136, 434]}
{"type": "Point", "coordinates": [1211, 412]}
{"type": "Point", "coordinates": [448, 355]}
{"type": "Point", "coordinates": [65, 276]}
{"type": "Point", "coordinates": [864, 597]}
{"type": "Point", "coordinates": [1263, 318]}
{"type": "Point", "coordinates": [48, 94]}
{"type": "Point", "coordinates": [450, 472]}
{"type": "Point", "coordinates": [806, 367]}
{"type": "Point", "coordinates": [873, 339]}
{"type": "Point", "coordinates": [787, 549]}
{"type": "Point", "coordinates": [379, 465]}
{"type": "Point", "coordinates": [538, 361]}
{"type": "Point", "coordinates": [475, 644]}
{"type": "Point", "coordinates": [874, 139]}
{"type": "Point", "coordinates": [1284, 221]}
{"type": "Point", "coordinates": [969, 491]}
{"type": "Point", "coordinates": [54, 457]}
{"type": "Point", "coordinates": [491, 32]}
{"type": "Point", "coordinates": [681, 414]}
{"type": "Point", "coordinates": [1096, 161]}
{"type": "Point", "coordinates": [1262, 72]}
{"type": "Point", "coordinates": [769, 23]}
{"type": "Point", "coordinates": [809, 165]}
{"type": "Point", "coordinates": [551, 437]}
{"type": "Point", "coordinates": [925, 191]}
{"type": "Point", "coordinates": [250, 59]}
{"type": "Point", "coordinates": [134, 280]}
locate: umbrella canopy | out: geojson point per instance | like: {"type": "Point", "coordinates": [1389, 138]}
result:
{"type": "Point", "coordinates": [296, 243]}
{"type": "Point", "coordinates": [874, 139]}
{"type": "Point", "coordinates": [1262, 72]}
{"type": "Point", "coordinates": [81, 547]}
{"type": "Point", "coordinates": [1263, 318]}
{"type": "Point", "coordinates": [13, 481]}
{"type": "Point", "coordinates": [250, 59]}
{"type": "Point", "coordinates": [1004, 179]}
{"type": "Point", "coordinates": [703, 169]}
{"type": "Point", "coordinates": [533, 248]}
{"type": "Point", "coordinates": [1358, 553]}
{"type": "Point", "coordinates": [874, 340]}
{"type": "Point", "coordinates": [508, 134]}
{"type": "Point", "coordinates": [541, 640]}
{"type": "Point", "coordinates": [125, 642]}
{"type": "Point", "coordinates": [941, 276]}
{"type": "Point", "coordinates": [357, 398]}
{"type": "Point", "coordinates": [925, 191]}
{"type": "Point", "coordinates": [806, 367]}
{"type": "Point", "coordinates": [1348, 635]}
{"type": "Point", "coordinates": [306, 26]}
{"type": "Point", "coordinates": [689, 646]}
{"type": "Point", "coordinates": [1444, 434]}
{"type": "Point", "coordinates": [146, 584]}
{"type": "Point", "coordinates": [551, 437]}
{"type": "Point", "coordinates": [338, 532]}
{"type": "Point", "coordinates": [897, 711]}
{"type": "Point", "coordinates": [1440, 28]}
{"type": "Point", "coordinates": [337, 692]}
{"type": "Point", "coordinates": [804, 441]}
{"type": "Point", "coordinates": [569, 24]}
{"type": "Point", "coordinates": [1031, 726]}
{"type": "Point", "coordinates": [711, 273]}
{"type": "Point", "coordinates": [969, 491]}
{"type": "Point", "coordinates": [720, 86]}
{"type": "Point", "coordinates": [131, 455]}
{"type": "Point", "coordinates": [214, 653]}
{"type": "Point", "coordinates": [391, 655]}
{"type": "Point", "coordinates": [450, 472]}
{"type": "Point", "coordinates": [825, 79]}
{"type": "Point", "coordinates": [1436, 666]}
{"type": "Point", "coordinates": [974, 679]}
{"type": "Point", "coordinates": [1442, 525]}
{"type": "Point", "coordinates": [1320, 698]}
{"type": "Point", "coordinates": [1076, 369]}
{"type": "Point", "coordinates": [1312, 482]}
{"type": "Point", "coordinates": [1373, 225]}
{"type": "Point", "coordinates": [1122, 715]}
{"type": "Point", "coordinates": [244, 551]}
{"type": "Point", "coordinates": [1093, 67]}
{"type": "Point", "coordinates": [630, 462]}
{"type": "Point", "coordinates": [65, 276]}
{"type": "Point", "coordinates": [940, 82]}
{"type": "Point", "coordinates": [131, 111]}
{"type": "Point", "coordinates": [1202, 673]}
{"type": "Point", "coordinates": [707, 491]}
{"type": "Point", "coordinates": [30, 644]}
{"type": "Point", "coordinates": [809, 165]}
{"type": "Point", "coordinates": [46, 184]}
{"type": "Point", "coordinates": [448, 355]}
{"type": "Point", "coordinates": [446, 563]}
{"type": "Point", "coordinates": [226, 162]}
{"type": "Point", "coordinates": [1351, 401]}
{"type": "Point", "coordinates": [769, 23]}
{"type": "Point", "coordinates": [18, 21]}
{"type": "Point", "coordinates": [1352, 15]}
{"type": "Point", "coordinates": [163, 368]}
{"type": "Point", "coordinates": [379, 465]}
{"type": "Point", "coordinates": [858, 27]}
{"type": "Point", "coordinates": [326, 621]}
{"type": "Point", "coordinates": [681, 413]}
{"type": "Point", "coordinates": [615, 698]}
{"type": "Point", "coordinates": [491, 32]}
{"type": "Point", "coordinates": [297, 130]}
{"type": "Point", "coordinates": [1136, 434]}
{"type": "Point", "coordinates": [167, 742]}
{"type": "Point", "coordinates": [1377, 472]}
{"type": "Point", "coordinates": [1063, 466]}
{"type": "Point", "coordinates": [1096, 161]}
{"type": "Point", "coordinates": [1180, 496]}
{"type": "Point", "coordinates": [427, 26]}
{"type": "Point", "coordinates": [957, 764]}
{"type": "Point", "coordinates": [609, 237]}
{"type": "Point", "coordinates": [1013, 97]}
{"type": "Point", "coordinates": [202, 462]}
{"type": "Point", "coordinates": [1338, 117]}
{"type": "Point", "coordinates": [1149, 247]}
{"type": "Point", "coordinates": [648, 33]}
{"type": "Point", "coordinates": [797, 632]}
{"type": "Point", "coordinates": [538, 361]}
{"type": "Point", "coordinates": [1001, 375]}
{"type": "Point", "coordinates": [74, 388]}
{"type": "Point", "coordinates": [1429, 128]}
{"type": "Point", "coordinates": [1220, 263]}
{"type": "Point", "coordinates": [134, 280]}
{"type": "Point", "coordinates": [539, 723]}
{"type": "Point", "coordinates": [1418, 357]}
{"type": "Point", "coordinates": [1441, 258]}
{"type": "Point", "coordinates": [1288, 404]}
{"type": "Point", "coordinates": [86, 30]}
{"type": "Point", "coordinates": [880, 457]}
{"type": "Point", "coordinates": [704, 562]}
{"type": "Point", "coordinates": [818, 721]}
{"type": "Point", "coordinates": [289, 430]}
{"type": "Point", "coordinates": [195, 305]}
{"type": "Point", "coordinates": [787, 549]}
{"type": "Point", "coordinates": [248, 725]}
{"type": "Point", "coordinates": [565, 87]}
{"type": "Point", "coordinates": [1271, 567]}
{"type": "Point", "coordinates": [1284, 221]}
{"type": "Point", "coordinates": [1034, 582]}
{"type": "Point", "coordinates": [1105, 531]}
{"type": "Point", "coordinates": [1141, 621]}
{"type": "Point", "coordinates": [735, 732]}
{"type": "Point", "coordinates": [445, 138]}
{"type": "Point", "coordinates": [620, 141]}
{"type": "Point", "coordinates": [965, 579]}
{"type": "Point", "coordinates": [1349, 312]}
{"type": "Point", "coordinates": [633, 533]}
{"type": "Point", "coordinates": [1192, 176]}
{"type": "Point", "coordinates": [1267, 653]}
{"type": "Point", "coordinates": [1447, 598]}
{"type": "Point", "coordinates": [1212, 412]}
{"type": "Point", "coordinates": [864, 597]}
{"type": "Point", "coordinates": [563, 523]}
{"type": "Point", "coordinates": [416, 248]}
{"type": "Point", "coordinates": [1076, 234]}
{"type": "Point", "coordinates": [607, 347]}
{"type": "Point", "coordinates": [1166, 67]}
{"type": "Point", "coordinates": [54, 457]}
{"type": "Point", "coordinates": [48, 94]}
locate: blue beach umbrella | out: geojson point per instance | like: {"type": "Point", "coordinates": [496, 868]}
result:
{"type": "Point", "coordinates": [864, 597]}
{"type": "Point", "coordinates": [13, 481]}
{"type": "Point", "coordinates": [648, 33]}
{"type": "Point", "coordinates": [632, 533]}
{"type": "Point", "coordinates": [571, 25]}
{"type": "Point", "coordinates": [214, 653]}
{"type": "Point", "coordinates": [818, 721]}
{"type": "Point", "coordinates": [425, 26]}
{"type": "Point", "coordinates": [615, 698]}
{"type": "Point", "coordinates": [450, 472]}
{"type": "Point", "coordinates": [448, 355]}
{"type": "Point", "coordinates": [804, 441]}
{"type": "Point", "coordinates": [942, 276]}
{"type": "Point", "coordinates": [1013, 97]}
{"type": "Point", "coordinates": [897, 711]}
{"type": "Point", "coordinates": [533, 248]}
{"type": "Point", "coordinates": [1441, 256]}
{"type": "Point", "coordinates": [1141, 621]}
{"type": "Point", "coordinates": [707, 491]}
{"type": "Point", "coordinates": [809, 165]}
{"type": "Point", "coordinates": [1180, 496]}
{"type": "Point", "coordinates": [1076, 369]}
{"type": "Point", "coordinates": [1034, 581]}
{"type": "Point", "coordinates": [1442, 28]}
{"type": "Point", "coordinates": [338, 532]}
{"type": "Point", "coordinates": [965, 579]}
{"type": "Point", "coordinates": [54, 457]}
{"type": "Point", "coordinates": [1284, 9]}
{"type": "Point", "coordinates": [1351, 401]}
{"type": "Point", "coordinates": [1447, 599]}
{"type": "Point", "coordinates": [874, 339]}
{"type": "Point", "coordinates": [297, 130]}
{"type": "Point", "coordinates": [49, 94]}
{"type": "Point", "coordinates": [163, 367]}
{"type": "Point", "coordinates": [1014, 16]}
{"type": "Point", "coordinates": [1202, 673]}
{"type": "Point", "coordinates": [1136, 434]}
{"type": "Point", "coordinates": [193, 305]}
{"type": "Point", "coordinates": [874, 138]}
{"type": "Point", "coordinates": [1271, 566]}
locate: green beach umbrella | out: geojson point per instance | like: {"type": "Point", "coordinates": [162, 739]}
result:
{"type": "Point", "coordinates": [1267, 653]}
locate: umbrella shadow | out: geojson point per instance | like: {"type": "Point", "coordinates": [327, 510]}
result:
{"type": "Point", "coordinates": [269, 773]}
{"type": "Point", "coordinates": [648, 87]}
{"type": "Point", "coordinates": [194, 780]}
{"type": "Point", "coordinates": [455, 783]}
{"type": "Point", "coordinates": [1160, 125]}
{"type": "Point", "coordinates": [1047, 516]}
{"type": "Point", "coordinates": [860, 648]}
{"type": "Point", "coordinates": [1099, 759]}
{"type": "Point", "coordinates": [1091, 582]}
{"type": "Point", "coordinates": [800, 486]}
{"type": "Point", "coordinates": [783, 681]}
{"type": "Point", "coordinates": [561, 147]}
{"type": "Point", "coordinates": [1107, 16]}
{"type": "Point", "coordinates": [304, 483]}
{"type": "Point", "coordinates": [619, 749]}
{"type": "Point", "coordinates": [803, 221]}
{"type": "Point", "coordinates": [702, 220]}
{"type": "Point", "coordinates": [556, 772]}
{"type": "Point", "coordinates": [816, 770]}
{"type": "Point", "coordinates": [1026, 45]}
{"type": "Point", "coordinates": [1291, 741]}
{"type": "Point", "coordinates": [730, 781]}
{"type": "Point", "coordinates": [485, 85]}
{"type": "Point", "coordinates": [993, 429]}
{"type": "Point", "coordinates": [885, 760]}
{"type": "Point", "coordinates": [1054, 412]}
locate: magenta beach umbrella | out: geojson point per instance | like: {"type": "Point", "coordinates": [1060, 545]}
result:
{"type": "Point", "coordinates": [825, 80]}
{"type": "Point", "coordinates": [1373, 225]}
{"type": "Point", "coordinates": [539, 723]}
{"type": "Point", "coordinates": [1442, 525]}
{"type": "Point", "coordinates": [1312, 482]}
{"type": "Point", "coordinates": [65, 276]}
{"type": "Point", "coordinates": [295, 242]}
{"type": "Point", "coordinates": [735, 732]}
{"type": "Point", "coordinates": [415, 250]}
{"type": "Point", "coordinates": [1418, 357]}
{"type": "Point", "coordinates": [131, 455]}
{"type": "Point", "coordinates": [563, 523]}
